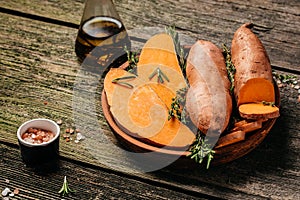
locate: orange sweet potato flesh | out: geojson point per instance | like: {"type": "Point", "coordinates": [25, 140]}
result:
{"type": "Point", "coordinates": [253, 77]}
{"type": "Point", "coordinates": [137, 116]}
{"type": "Point", "coordinates": [114, 73]}
{"type": "Point", "coordinates": [142, 111]}
{"type": "Point", "coordinates": [173, 133]}
{"type": "Point", "coordinates": [258, 111]}
{"type": "Point", "coordinates": [176, 80]}
{"type": "Point", "coordinates": [208, 100]}
{"type": "Point", "coordinates": [160, 50]}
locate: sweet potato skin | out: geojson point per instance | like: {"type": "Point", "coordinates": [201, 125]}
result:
{"type": "Point", "coordinates": [208, 100]}
{"type": "Point", "coordinates": [251, 61]}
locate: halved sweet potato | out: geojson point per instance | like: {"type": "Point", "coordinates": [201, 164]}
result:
{"type": "Point", "coordinates": [253, 77]}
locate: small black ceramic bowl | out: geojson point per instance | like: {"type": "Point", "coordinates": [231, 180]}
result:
{"type": "Point", "coordinates": [38, 154]}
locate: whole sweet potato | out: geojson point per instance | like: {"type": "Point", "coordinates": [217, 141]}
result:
{"type": "Point", "coordinates": [208, 99]}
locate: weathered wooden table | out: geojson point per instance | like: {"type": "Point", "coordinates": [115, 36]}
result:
{"type": "Point", "coordinates": [39, 70]}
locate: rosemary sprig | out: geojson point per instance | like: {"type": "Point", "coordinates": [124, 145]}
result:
{"type": "Point", "coordinates": [160, 75]}
{"type": "Point", "coordinates": [124, 84]}
{"type": "Point", "coordinates": [133, 59]}
{"type": "Point", "coordinates": [123, 78]}
{"type": "Point", "coordinates": [175, 109]}
{"type": "Point", "coordinates": [199, 149]}
{"type": "Point", "coordinates": [177, 102]}
{"type": "Point", "coordinates": [266, 103]}
{"type": "Point", "coordinates": [179, 49]}
{"type": "Point", "coordinates": [65, 189]}
{"type": "Point", "coordinates": [285, 78]}
{"type": "Point", "coordinates": [120, 82]}
{"type": "Point", "coordinates": [229, 66]}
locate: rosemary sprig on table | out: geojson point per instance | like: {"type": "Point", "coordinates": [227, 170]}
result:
{"type": "Point", "coordinates": [229, 66]}
{"type": "Point", "coordinates": [199, 149]}
{"type": "Point", "coordinates": [65, 189]}
{"type": "Point", "coordinates": [133, 59]}
{"type": "Point", "coordinates": [285, 78]}
{"type": "Point", "coordinates": [170, 30]}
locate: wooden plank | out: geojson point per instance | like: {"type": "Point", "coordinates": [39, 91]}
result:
{"type": "Point", "coordinates": [33, 73]}
{"type": "Point", "coordinates": [211, 20]}
{"type": "Point", "coordinates": [69, 11]}
{"type": "Point", "coordinates": [215, 21]}
{"type": "Point", "coordinates": [89, 183]}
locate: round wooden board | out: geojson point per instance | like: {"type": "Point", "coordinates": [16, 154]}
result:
{"type": "Point", "coordinates": [222, 155]}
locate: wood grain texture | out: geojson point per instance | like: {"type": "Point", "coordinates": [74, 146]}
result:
{"type": "Point", "coordinates": [69, 11]}
{"type": "Point", "coordinates": [88, 183]}
{"type": "Point", "coordinates": [277, 22]}
{"type": "Point", "coordinates": [38, 66]}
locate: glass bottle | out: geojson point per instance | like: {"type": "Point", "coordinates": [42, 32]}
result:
{"type": "Point", "coordinates": [101, 34]}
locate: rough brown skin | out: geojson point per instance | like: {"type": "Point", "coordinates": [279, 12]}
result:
{"type": "Point", "coordinates": [252, 64]}
{"type": "Point", "coordinates": [208, 99]}
{"type": "Point", "coordinates": [253, 78]}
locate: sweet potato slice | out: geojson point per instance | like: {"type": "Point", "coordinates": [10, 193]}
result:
{"type": "Point", "coordinates": [240, 123]}
{"type": "Point", "coordinates": [173, 133]}
{"type": "Point", "coordinates": [142, 110]}
{"type": "Point", "coordinates": [118, 97]}
{"type": "Point", "coordinates": [114, 73]}
{"type": "Point", "coordinates": [160, 49]}
{"type": "Point", "coordinates": [148, 108]}
{"type": "Point", "coordinates": [230, 138]}
{"type": "Point", "coordinates": [258, 111]}
{"type": "Point", "coordinates": [248, 126]}
{"type": "Point", "coordinates": [256, 90]}
{"type": "Point", "coordinates": [164, 93]}
{"type": "Point", "coordinates": [145, 115]}
{"type": "Point", "coordinates": [159, 53]}
{"type": "Point", "coordinates": [174, 80]}
{"type": "Point", "coordinates": [208, 99]}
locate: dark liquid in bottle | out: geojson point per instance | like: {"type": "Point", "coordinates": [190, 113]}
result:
{"type": "Point", "coordinates": [107, 34]}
